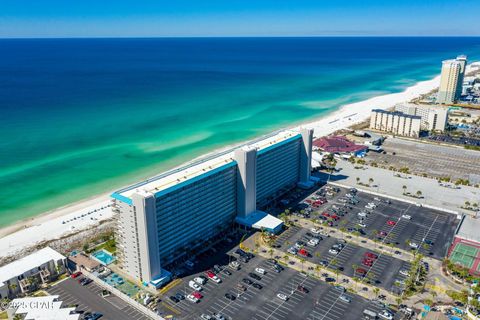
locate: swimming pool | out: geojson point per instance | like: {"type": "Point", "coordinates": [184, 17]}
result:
{"type": "Point", "coordinates": [103, 256]}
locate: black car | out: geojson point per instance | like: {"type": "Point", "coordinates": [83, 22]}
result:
{"type": "Point", "coordinates": [255, 276]}
{"type": "Point", "coordinates": [180, 296]}
{"type": "Point", "coordinates": [240, 252]}
{"type": "Point", "coordinates": [257, 286]}
{"type": "Point", "coordinates": [247, 281]}
{"type": "Point", "coordinates": [225, 271]}
{"type": "Point", "coordinates": [329, 279]}
{"type": "Point", "coordinates": [174, 299]}
{"type": "Point", "coordinates": [85, 281]}
{"type": "Point", "coordinates": [272, 260]}
{"type": "Point", "coordinates": [230, 296]}
{"type": "Point", "coordinates": [243, 259]}
{"type": "Point", "coordinates": [250, 255]}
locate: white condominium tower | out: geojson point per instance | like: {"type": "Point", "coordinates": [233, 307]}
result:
{"type": "Point", "coordinates": [451, 80]}
{"type": "Point", "coordinates": [170, 216]}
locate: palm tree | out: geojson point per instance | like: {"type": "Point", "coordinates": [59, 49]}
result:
{"type": "Point", "coordinates": [318, 268]}
{"type": "Point", "coordinates": [399, 301]}
{"type": "Point", "coordinates": [302, 261]}
{"type": "Point", "coordinates": [358, 180]}
{"type": "Point", "coordinates": [419, 193]}
{"type": "Point", "coordinates": [370, 181]}
{"type": "Point", "coordinates": [404, 187]}
{"type": "Point", "coordinates": [376, 291]}
{"type": "Point", "coordinates": [270, 252]}
{"type": "Point", "coordinates": [286, 257]}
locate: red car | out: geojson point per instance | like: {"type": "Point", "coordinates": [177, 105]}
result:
{"type": "Point", "coordinates": [367, 263]}
{"type": "Point", "coordinates": [326, 215]}
{"type": "Point", "coordinates": [76, 275]}
{"type": "Point", "coordinates": [391, 223]}
{"type": "Point", "coordinates": [303, 252]}
{"type": "Point", "coordinates": [370, 255]}
{"type": "Point", "coordinates": [335, 217]}
{"type": "Point", "coordinates": [210, 274]}
{"type": "Point", "coordinates": [197, 295]}
{"type": "Point", "coordinates": [361, 272]}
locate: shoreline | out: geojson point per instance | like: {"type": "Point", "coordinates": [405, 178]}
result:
{"type": "Point", "coordinates": [87, 213]}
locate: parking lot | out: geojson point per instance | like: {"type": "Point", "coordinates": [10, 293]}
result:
{"type": "Point", "coordinates": [320, 302]}
{"type": "Point", "coordinates": [384, 272]}
{"type": "Point", "coordinates": [88, 299]}
{"type": "Point", "coordinates": [429, 229]}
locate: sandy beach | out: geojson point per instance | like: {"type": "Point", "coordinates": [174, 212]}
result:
{"type": "Point", "coordinates": [87, 214]}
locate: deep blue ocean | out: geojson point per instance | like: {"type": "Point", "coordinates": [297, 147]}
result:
{"type": "Point", "coordinates": [85, 116]}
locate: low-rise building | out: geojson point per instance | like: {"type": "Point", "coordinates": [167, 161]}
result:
{"type": "Point", "coordinates": [339, 145]}
{"type": "Point", "coordinates": [395, 122]}
{"type": "Point", "coordinates": [28, 273]}
{"type": "Point", "coordinates": [433, 118]}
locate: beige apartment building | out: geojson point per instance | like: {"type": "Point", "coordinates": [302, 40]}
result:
{"type": "Point", "coordinates": [451, 80]}
{"type": "Point", "coordinates": [395, 122]}
{"type": "Point", "coordinates": [433, 118]}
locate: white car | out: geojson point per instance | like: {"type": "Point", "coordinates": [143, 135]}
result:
{"type": "Point", "coordinates": [215, 279]}
{"type": "Point", "coordinates": [292, 250]}
{"type": "Point", "coordinates": [413, 245]}
{"type": "Point", "coordinates": [199, 280]}
{"type": "Point", "coordinates": [361, 224]}
{"type": "Point", "coordinates": [260, 270]}
{"type": "Point", "coordinates": [312, 243]}
{"type": "Point", "coordinates": [192, 298]}
{"type": "Point", "coordinates": [345, 298]}
{"type": "Point", "coordinates": [195, 286]}
{"type": "Point", "coordinates": [404, 273]}
{"type": "Point", "coordinates": [362, 214]}
{"type": "Point", "coordinates": [315, 230]}
{"type": "Point", "coordinates": [333, 251]}
{"type": "Point", "coordinates": [406, 216]}
{"type": "Point", "coordinates": [376, 199]}
{"type": "Point", "coordinates": [385, 314]}
{"type": "Point", "coordinates": [282, 296]}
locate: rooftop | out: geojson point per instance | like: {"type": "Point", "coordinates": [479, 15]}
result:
{"type": "Point", "coordinates": [338, 144]}
{"type": "Point", "coordinates": [397, 113]}
{"type": "Point", "coordinates": [469, 228]}
{"type": "Point", "coordinates": [32, 261]}
{"type": "Point", "coordinates": [194, 169]}
{"type": "Point", "coordinates": [43, 308]}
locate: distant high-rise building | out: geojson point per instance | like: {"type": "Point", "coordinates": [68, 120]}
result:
{"type": "Point", "coordinates": [451, 80]}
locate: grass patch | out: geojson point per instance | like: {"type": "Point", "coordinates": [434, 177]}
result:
{"type": "Point", "coordinates": [3, 315]}
{"type": "Point", "coordinates": [109, 245]}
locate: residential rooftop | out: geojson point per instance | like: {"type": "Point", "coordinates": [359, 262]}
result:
{"type": "Point", "coordinates": [27, 263]}
{"type": "Point", "coordinates": [194, 169]}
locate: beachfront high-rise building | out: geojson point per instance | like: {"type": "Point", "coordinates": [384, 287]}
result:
{"type": "Point", "coordinates": [169, 216]}
{"type": "Point", "coordinates": [451, 80]}
{"type": "Point", "coordinates": [433, 118]}
{"type": "Point", "coordinates": [395, 122]}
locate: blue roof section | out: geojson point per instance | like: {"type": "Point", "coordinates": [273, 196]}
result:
{"type": "Point", "coordinates": [118, 196]}
{"type": "Point", "coordinates": [276, 145]}
{"type": "Point", "coordinates": [195, 179]}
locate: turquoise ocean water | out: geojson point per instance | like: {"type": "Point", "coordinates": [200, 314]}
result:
{"type": "Point", "coordinates": [86, 116]}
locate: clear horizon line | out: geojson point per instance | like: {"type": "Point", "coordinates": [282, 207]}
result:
{"type": "Point", "coordinates": [238, 36]}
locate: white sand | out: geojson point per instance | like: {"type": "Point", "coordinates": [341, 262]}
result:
{"type": "Point", "coordinates": [50, 226]}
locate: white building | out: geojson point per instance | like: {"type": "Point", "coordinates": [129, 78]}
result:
{"type": "Point", "coordinates": [173, 214]}
{"type": "Point", "coordinates": [451, 80]}
{"type": "Point", "coordinates": [395, 122]}
{"type": "Point", "coordinates": [434, 118]}
{"type": "Point", "coordinates": [24, 274]}
{"type": "Point", "coordinates": [40, 308]}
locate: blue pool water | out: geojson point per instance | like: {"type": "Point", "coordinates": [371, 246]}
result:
{"type": "Point", "coordinates": [104, 257]}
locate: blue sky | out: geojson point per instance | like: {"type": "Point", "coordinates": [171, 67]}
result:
{"type": "Point", "coordinates": [126, 18]}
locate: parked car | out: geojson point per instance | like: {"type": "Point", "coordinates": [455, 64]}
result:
{"type": "Point", "coordinates": [254, 276]}
{"type": "Point", "coordinates": [370, 255]}
{"type": "Point", "coordinates": [328, 280]}
{"type": "Point", "coordinates": [302, 289]}
{"type": "Point", "coordinates": [345, 298]}
{"type": "Point", "coordinates": [257, 286]}
{"type": "Point", "coordinates": [260, 270]}
{"type": "Point", "coordinates": [391, 223]}
{"type": "Point", "coordinates": [282, 296]}
{"type": "Point", "coordinates": [385, 314]}
{"type": "Point", "coordinates": [76, 275]}
{"type": "Point", "coordinates": [195, 286]}
{"type": "Point", "coordinates": [234, 265]}
{"type": "Point", "coordinates": [230, 296]}
{"type": "Point", "coordinates": [200, 280]}
{"type": "Point", "coordinates": [174, 299]}
{"type": "Point", "coordinates": [406, 216]}
{"type": "Point", "coordinates": [192, 298]}
{"type": "Point", "coordinates": [241, 287]}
